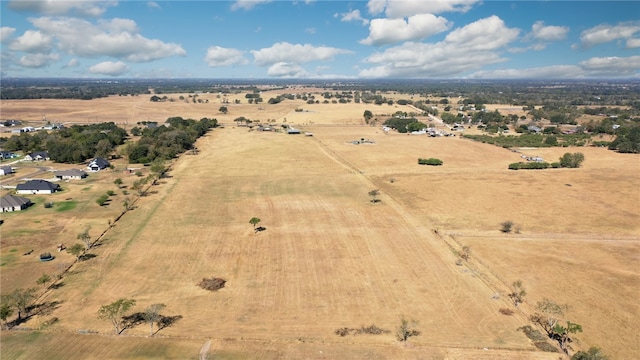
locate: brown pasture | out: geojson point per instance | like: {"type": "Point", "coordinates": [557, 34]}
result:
{"type": "Point", "coordinates": [329, 258]}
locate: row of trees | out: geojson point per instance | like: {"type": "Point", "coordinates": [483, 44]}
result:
{"type": "Point", "coordinates": [70, 144]}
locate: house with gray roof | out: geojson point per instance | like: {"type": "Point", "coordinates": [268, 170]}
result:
{"type": "Point", "coordinates": [37, 187]}
{"type": "Point", "coordinates": [37, 156]}
{"type": "Point", "coordinates": [98, 164]}
{"type": "Point", "coordinates": [73, 174]}
{"type": "Point", "coordinates": [6, 170]}
{"type": "Point", "coordinates": [9, 203]}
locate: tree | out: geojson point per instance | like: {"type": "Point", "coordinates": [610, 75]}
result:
{"type": "Point", "coordinates": [223, 109]}
{"type": "Point", "coordinates": [563, 334]}
{"type": "Point", "coordinates": [593, 353]}
{"type": "Point", "coordinates": [43, 280]}
{"type": "Point", "coordinates": [374, 195]}
{"type": "Point", "coordinates": [22, 299]}
{"type": "Point", "coordinates": [518, 293]}
{"type": "Point", "coordinates": [5, 311]}
{"type": "Point", "coordinates": [507, 226]}
{"type": "Point", "coordinates": [254, 221]}
{"type": "Point", "coordinates": [152, 314]}
{"type": "Point", "coordinates": [548, 314]}
{"type": "Point", "coordinates": [465, 254]}
{"type": "Point", "coordinates": [367, 115]}
{"type": "Point", "coordinates": [115, 311]}
{"type": "Point", "coordinates": [76, 250]}
{"type": "Point", "coordinates": [404, 332]}
{"type": "Point", "coordinates": [102, 200]}
{"type": "Point", "coordinates": [85, 237]}
{"type": "Point", "coordinates": [158, 169]}
{"type": "Point", "coordinates": [569, 160]}
{"type": "Point", "coordinates": [118, 182]}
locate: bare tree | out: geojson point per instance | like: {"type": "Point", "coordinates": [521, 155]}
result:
{"type": "Point", "coordinates": [548, 315]}
{"type": "Point", "coordinates": [85, 237]}
{"type": "Point", "coordinates": [374, 195]}
{"type": "Point", "coordinates": [152, 315]}
{"type": "Point", "coordinates": [518, 293]}
{"type": "Point", "coordinates": [404, 331]}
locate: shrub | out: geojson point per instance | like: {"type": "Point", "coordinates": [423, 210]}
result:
{"type": "Point", "coordinates": [506, 311]}
{"type": "Point", "coordinates": [212, 284]}
{"type": "Point", "coordinates": [110, 193]}
{"type": "Point", "coordinates": [430, 161]}
{"type": "Point", "coordinates": [529, 165]}
{"type": "Point", "coordinates": [569, 160]}
{"type": "Point", "coordinates": [507, 226]}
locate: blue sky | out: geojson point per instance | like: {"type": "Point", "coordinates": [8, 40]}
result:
{"type": "Point", "coordinates": [320, 39]}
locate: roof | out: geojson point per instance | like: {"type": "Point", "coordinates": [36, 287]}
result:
{"type": "Point", "coordinates": [72, 172]}
{"type": "Point", "coordinates": [6, 169]}
{"type": "Point", "coordinates": [100, 162]}
{"type": "Point", "coordinates": [43, 154]}
{"type": "Point", "coordinates": [38, 185]}
{"type": "Point", "coordinates": [13, 201]}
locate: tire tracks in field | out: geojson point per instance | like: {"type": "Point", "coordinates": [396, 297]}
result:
{"type": "Point", "coordinates": [410, 225]}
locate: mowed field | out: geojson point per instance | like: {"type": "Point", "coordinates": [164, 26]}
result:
{"type": "Point", "coordinates": [329, 258]}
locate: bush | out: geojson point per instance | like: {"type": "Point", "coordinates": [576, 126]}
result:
{"type": "Point", "coordinates": [110, 193]}
{"type": "Point", "coordinates": [212, 284]}
{"type": "Point", "coordinates": [529, 166]}
{"type": "Point", "coordinates": [569, 160]}
{"type": "Point", "coordinates": [430, 161]}
{"type": "Point", "coordinates": [507, 226]}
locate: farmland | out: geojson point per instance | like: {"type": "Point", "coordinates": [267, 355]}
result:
{"type": "Point", "coordinates": [329, 257]}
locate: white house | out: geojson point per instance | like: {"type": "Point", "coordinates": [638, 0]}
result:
{"type": "Point", "coordinates": [97, 164]}
{"type": "Point", "coordinates": [9, 203]}
{"type": "Point", "coordinates": [6, 170]}
{"type": "Point", "coordinates": [73, 174]}
{"type": "Point", "coordinates": [37, 187]}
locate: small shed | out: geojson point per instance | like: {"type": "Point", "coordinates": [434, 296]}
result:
{"type": "Point", "coordinates": [293, 131]}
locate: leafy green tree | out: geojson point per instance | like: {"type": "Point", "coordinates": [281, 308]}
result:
{"type": "Point", "coordinates": [548, 314]}
{"type": "Point", "coordinates": [5, 311]}
{"type": "Point", "coordinates": [102, 200]}
{"type": "Point", "coordinates": [367, 115]}
{"type": "Point", "coordinates": [563, 334]}
{"type": "Point", "coordinates": [223, 109]}
{"type": "Point", "coordinates": [43, 280]}
{"type": "Point", "coordinates": [118, 182]}
{"type": "Point", "coordinates": [507, 226]}
{"type": "Point", "coordinates": [76, 250]}
{"type": "Point", "coordinates": [152, 315]}
{"type": "Point", "coordinates": [115, 311]}
{"type": "Point", "coordinates": [569, 160]}
{"type": "Point", "coordinates": [517, 293]}
{"type": "Point", "coordinates": [254, 221]}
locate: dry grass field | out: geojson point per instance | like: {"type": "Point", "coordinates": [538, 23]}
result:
{"type": "Point", "coordinates": [329, 258]}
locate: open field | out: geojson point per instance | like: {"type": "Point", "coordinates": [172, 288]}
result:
{"type": "Point", "coordinates": [329, 258]}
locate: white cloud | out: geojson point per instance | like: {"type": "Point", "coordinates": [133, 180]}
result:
{"type": "Point", "coordinates": [405, 8]}
{"type": "Point", "coordinates": [109, 68]}
{"type": "Point", "coordinates": [32, 42]}
{"type": "Point", "coordinates": [546, 72]}
{"type": "Point", "coordinates": [548, 33]}
{"type": "Point", "coordinates": [608, 67]}
{"type": "Point", "coordinates": [72, 63]}
{"type": "Point", "coordinates": [247, 4]}
{"type": "Point", "coordinates": [465, 49]}
{"type": "Point", "coordinates": [153, 5]}
{"type": "Point", "coordinates": [118, 38]}
{"type": "Point", "coordinates": [219, 56]}
{"type": "Point", "coordinates": [420, 26]}
{"type": "Point", "coordinates": [88, 8]}
{"type": "Point", "coordinates": [606, 33]}
{"type": "Point", "coordinates": [5, 33]}
{"type": "Point", "coordinates": [38, 60]}
{"type": "Point", "coordinates": [295, 53]}
{"type": "Point", "coordinates": [352, 16]}
{"type": "Point", "coordinates": [633, 43]}
{"type": "Point", "coordinates": [611, 66]}
{"type": "Point", "coordinates": [287, 70]}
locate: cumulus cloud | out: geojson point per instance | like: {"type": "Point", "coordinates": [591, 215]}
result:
{"type": "Point", "coordinates": [109, 68]}
{"type": "Point", "coordinates": [118, 38]}
{"type": "Point", "coordinates": [420, 26]}
{"type": "Point", "coordinates": [287, 70]}
{"type": "Point", "coordinates": [32, 42]}
{"type": "Point", "coordinates": [247, 4]}
{"type": "Point", "coordinates": [465, 49]}
{"type": "Point", "coordinates": [37, 60]}
{"type": "Point", "coordinates": [5, 33]}
{"type": "Point", "coordinates": [85, 8]}
{"type": "Point", "coordinates": [352, 16]}
{"type": "Point", "coordinates": [153, 5]}
{"type": "Point", "coordinates": [606, 33]}
{"type": "Point", "coordinates": [72, 63]}
{"type": "Point", "coordinates": [285, 52]}
{"type": "Point", "coordinates": [611, 66]}
{"type": "Point", "coordinates": [405, 8]}
{"type": "Point", "coordinates": [633, 43]}
{"type": "Point", "coordinates": [548, 33]}
{"type": "Point", "coordinates": [219, 56]}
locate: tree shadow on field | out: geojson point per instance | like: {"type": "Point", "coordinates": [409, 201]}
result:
{"type": "Point", "coordinates": [167, 321]}
{"type": "Point", "coordinates": [85, 257]}
{"type": "Point", "coordinates": [138, 318]}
